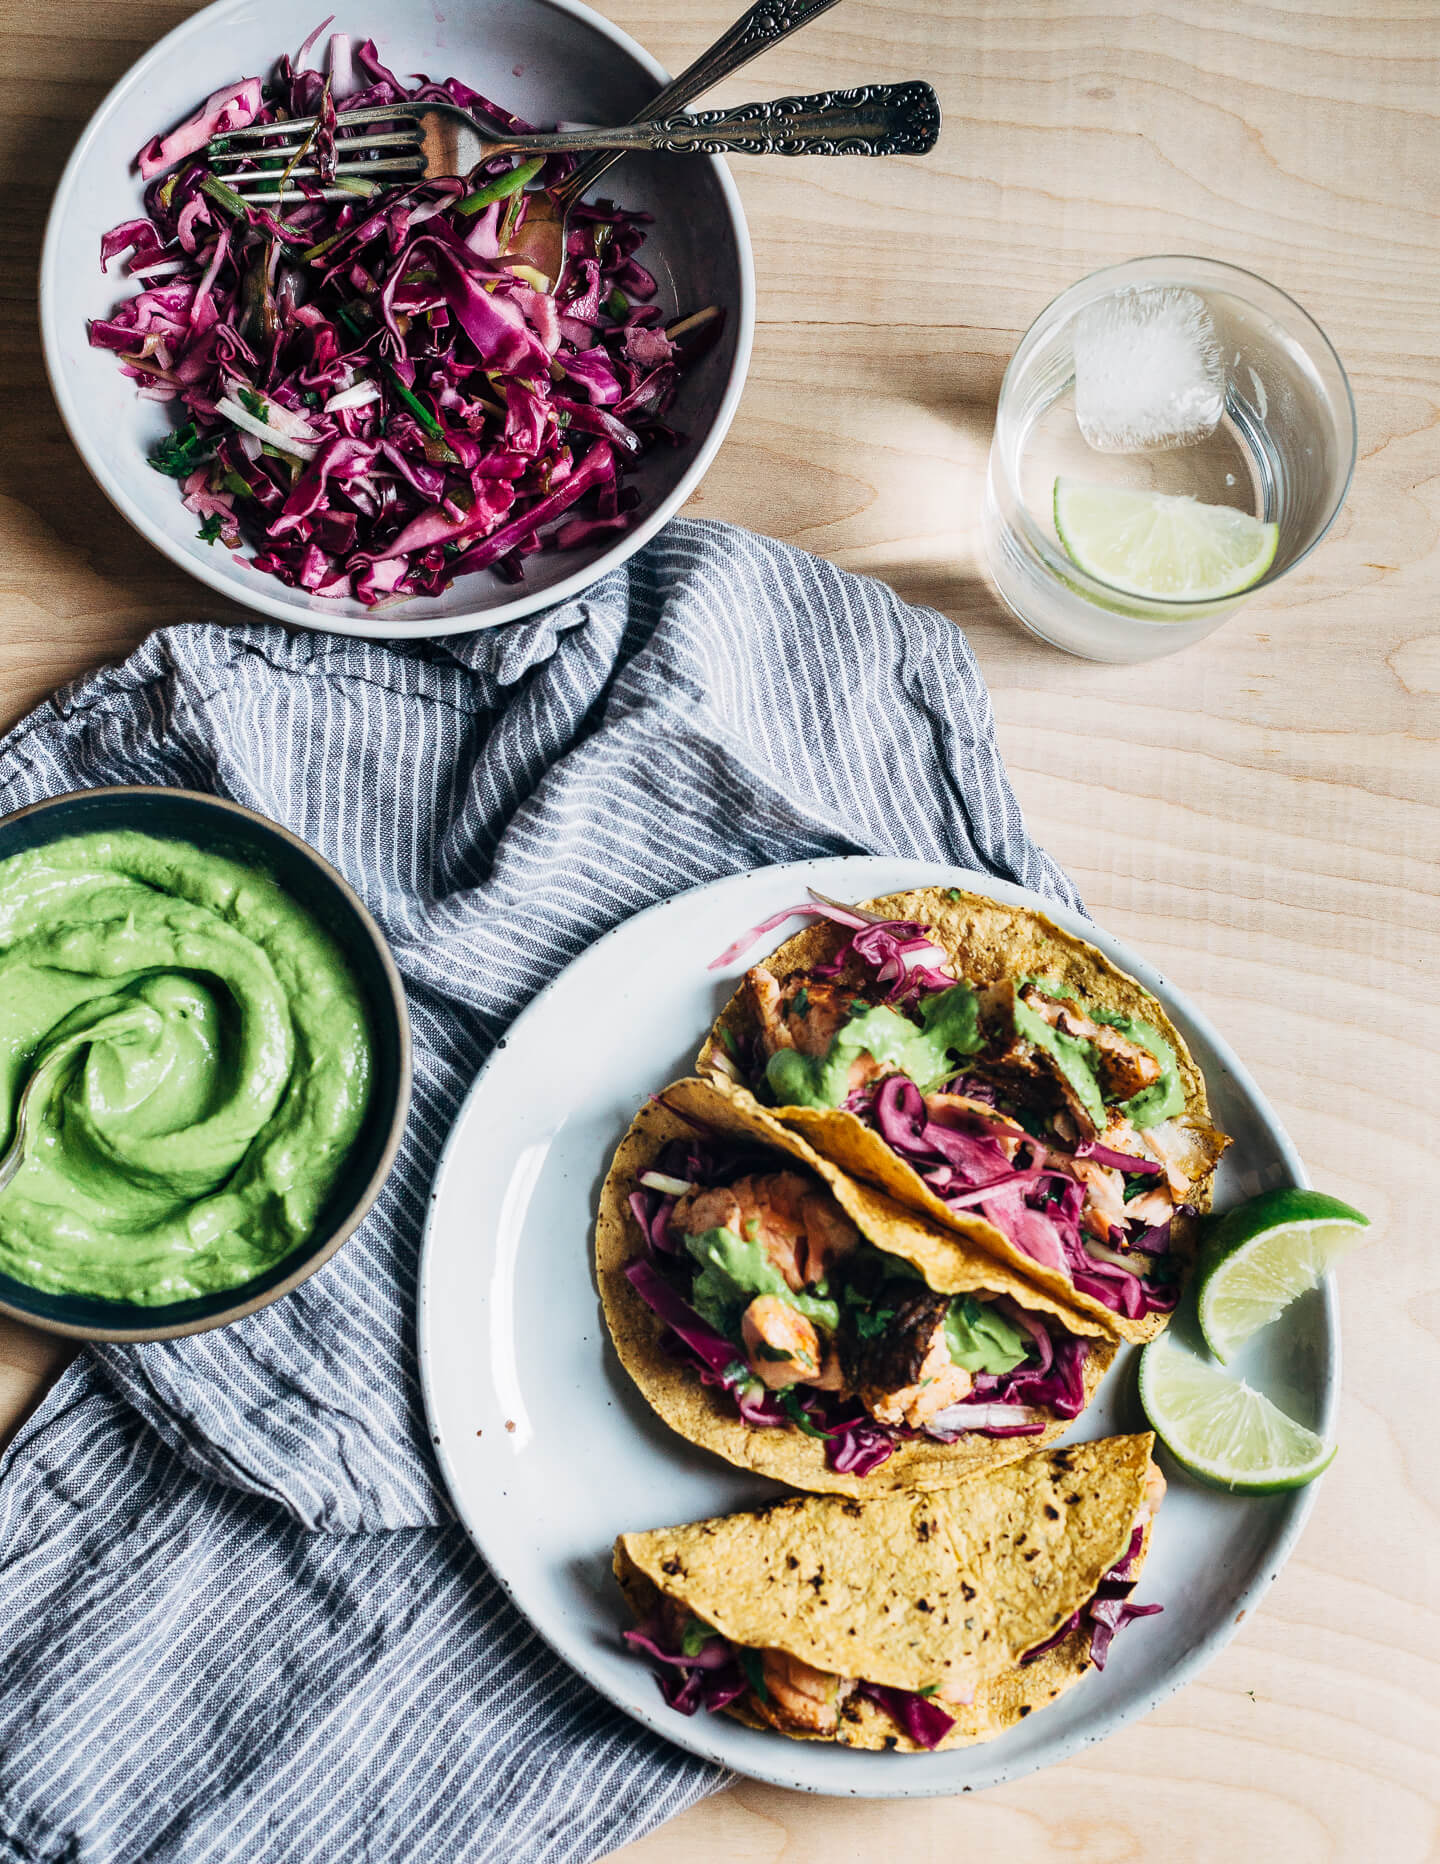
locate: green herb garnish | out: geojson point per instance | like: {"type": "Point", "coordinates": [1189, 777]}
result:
{"type": "Point", "coordinates": [502, 187]}
{"type": "Point", "coordinates": [178, 454]}
{"type": "Point", "coordinates": [696, 1636]}
{"type": "Point", "coordinates": [211, 528]}
{"type": "Point", "coordinates": [416, 406]}
{"type": "Point", "coordinates": [791, 1405]}
{"type": "Point", "coordinates": [753, 1665]}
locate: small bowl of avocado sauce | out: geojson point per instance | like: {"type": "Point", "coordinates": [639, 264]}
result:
{"type": "Point", "coordinates": [228, 1062]}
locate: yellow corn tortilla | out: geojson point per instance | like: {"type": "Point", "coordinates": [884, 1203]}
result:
{"type": "Point", "coordinates": [913, 1591]}
{"type": "Point", "coordinates": [706, 1415]}
{"type": "Point", "coordinates": [986, 942]}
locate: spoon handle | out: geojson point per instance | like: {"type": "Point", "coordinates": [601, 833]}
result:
{"type": "Point", "coordinates": [762, 25]}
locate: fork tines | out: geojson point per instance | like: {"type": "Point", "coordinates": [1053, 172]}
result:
{"type": "Point", "coordinates": [295, 129]}
{"type": "Point", "coordinates": [265, 142]}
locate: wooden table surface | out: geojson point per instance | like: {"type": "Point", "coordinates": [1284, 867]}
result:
{"type": "Point", "coordinates": [1259, 814]}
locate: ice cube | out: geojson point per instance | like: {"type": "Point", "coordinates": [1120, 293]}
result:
{"type": "Point", "coordinates": [1148, 371]}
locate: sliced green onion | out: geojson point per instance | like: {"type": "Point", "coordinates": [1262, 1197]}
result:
{"type": "Point", "coordinates": [417, 407]}
{"type": "Point", "coordinates": [227, 197]}
{"type": "Point", "coordinates": [502, 186]}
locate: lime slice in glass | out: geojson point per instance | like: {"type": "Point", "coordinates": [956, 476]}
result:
{"type": "Point", "coordinates": [1157, 545]}
{"type": "Point", "coordinates": [1220, 1430]}
{"type": "Point", "coordinates": [1264, 1253]}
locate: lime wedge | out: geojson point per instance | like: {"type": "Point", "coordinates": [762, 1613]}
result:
{"type": "Point", "coordinates": [1221, 1431]}
{"type": "Point", "coordinates": [1261, 1255]}
{"type": "Point", "coordinates": [1155, 544]}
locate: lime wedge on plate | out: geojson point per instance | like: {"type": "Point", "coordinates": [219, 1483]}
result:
{"type": "Point", "coordinates": [1264, 1253]}
{"type": "Point", "coordinates": [1158, 545]}
{"type": "Point", "coordinates": [1220, 1430]}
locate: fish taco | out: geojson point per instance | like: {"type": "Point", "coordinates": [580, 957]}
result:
{"type": "Point", "coordinates": [995, 1073]}
{"type": "Point", "coordinates": [808, 1327]}
{"type": "Point", "coordinates": [910, 1622]}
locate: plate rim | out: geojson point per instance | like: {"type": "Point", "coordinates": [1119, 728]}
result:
{"type": "Point", "coordinates": [904, 1781]}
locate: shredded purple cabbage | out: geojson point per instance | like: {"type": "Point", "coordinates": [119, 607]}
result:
{"type": "Point", "coordinates": [922, 1719]}
{"type": "Point", "coordinates": [372, 396]}
{"type": "Point", "coordinates": [710, 1680]}
{"type": "Point", "coordinates": [1037, 1206]}
{"type": "Point", "coordinates": [1108, 1611]}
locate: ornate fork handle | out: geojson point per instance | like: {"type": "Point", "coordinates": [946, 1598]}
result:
{"type": "Point", "coordinates": [873, 119]}
{"type": "Point", "coordinates": [764, 24]}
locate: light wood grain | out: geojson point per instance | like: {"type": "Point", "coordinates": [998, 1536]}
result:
{"type": "Point", "coordinates": [1260, 815]}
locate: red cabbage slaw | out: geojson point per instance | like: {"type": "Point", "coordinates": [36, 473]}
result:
{"type": "Point", "coordinates": [1038, 1206]}
{"type": "Point", "coordinates": [1010, 1404]}
{"type": "Point", "coordinates": [376, 393]}
{"type": "Point", "coordinates": [712, 1677]}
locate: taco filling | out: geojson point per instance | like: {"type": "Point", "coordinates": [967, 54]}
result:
{"type": "Point", "coordinates": [769, 1291]}
{"type": "Point", "coordinates": [699, 1667]}
{"type": "Point", "coordinates": [1059, 1122]}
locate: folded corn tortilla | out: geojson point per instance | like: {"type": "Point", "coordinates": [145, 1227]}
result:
{"type": "Point", "coordinates": [987, 943]}
{"type": "Point", "coordinates": [934, 1594]}
{"type": "Point", "coordinates": [707, 1415]}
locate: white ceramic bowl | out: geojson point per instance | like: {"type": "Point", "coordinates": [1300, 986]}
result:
{"type": "Point", "coordinates": [546, 59]}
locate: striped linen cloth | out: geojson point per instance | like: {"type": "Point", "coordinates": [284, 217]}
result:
{"type": "Point", "coordinates": [237, 1619]}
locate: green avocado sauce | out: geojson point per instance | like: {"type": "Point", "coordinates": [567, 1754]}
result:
{"type": "Point", "coordinates": [981, 1340]}
{"type": "Point", "coordinates": [732, 1270]}
{"type": "Point", "coordinates": [1076, 1060]}
{"type": "Point", "coordinates": [212, 1067]}
{"type": "Point", "coordinates": [949, 1026]}
{"type": "Point", "coordinates": [1165, 1097]}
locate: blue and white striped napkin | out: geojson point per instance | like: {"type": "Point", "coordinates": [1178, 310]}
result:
{"type": "Point", "coordinates": [237, 1621]}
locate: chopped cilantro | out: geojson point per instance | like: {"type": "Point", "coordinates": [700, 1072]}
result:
{"type": "Point", "coordinates": [178, 454]}
{"type": "Point", "coordinates": [801, 1005]}
{"type": "Point", "coordinates": [1137, 1183]}
{"type": "Point", "coordinates": [252, 404]}
{"type": "Point", "coordinates": [211, 528]}
{"type": "Point", "coordinates": [871, 1322]}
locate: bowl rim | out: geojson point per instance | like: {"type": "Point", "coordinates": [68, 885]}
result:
{"type": "Point", "coordinates": [365, 1198]}
{"type": "Point", "coordinates": [388, 625]}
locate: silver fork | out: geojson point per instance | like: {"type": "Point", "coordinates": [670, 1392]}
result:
{"type": "Point", "coordinates": [430, 141]}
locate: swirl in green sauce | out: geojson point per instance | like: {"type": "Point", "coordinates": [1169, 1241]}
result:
{"type": "Point", "coordinates": [212, 1068]}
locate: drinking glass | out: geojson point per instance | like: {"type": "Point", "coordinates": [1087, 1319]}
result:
{"type": "Point", "coordinates": [1284, 452]}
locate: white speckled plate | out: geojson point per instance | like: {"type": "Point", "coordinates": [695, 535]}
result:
{"type": "Point", "coordinates": [550, 1452]}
